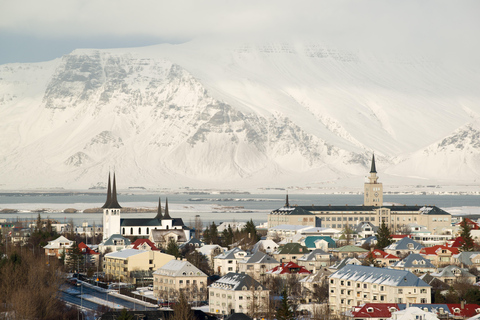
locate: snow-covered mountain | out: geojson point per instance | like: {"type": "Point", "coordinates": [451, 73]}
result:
{"type": "Point", "coordinates": [202, 114]}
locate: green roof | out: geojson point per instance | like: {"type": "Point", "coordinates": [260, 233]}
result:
{"type": "Point", "coordinates": [350, 248]}
{"type": "Point", "coordinates": [292, 248]}
{"type": "Point", "coordinates": [310, 241]}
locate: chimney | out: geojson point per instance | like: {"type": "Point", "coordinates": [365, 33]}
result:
{"type": "Point", "coordinates": [462, 304]}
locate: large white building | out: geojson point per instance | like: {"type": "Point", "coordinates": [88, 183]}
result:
{"type": "Point", "coordinates": [354, 285]}
{"type": "Point", "coordinates": [137, 227]}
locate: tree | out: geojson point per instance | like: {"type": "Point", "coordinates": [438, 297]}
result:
{"type": "Point", "coordinates": [182, 310]}
{"type": "Point", "coordinates": [214, 233]}
{"type": "Point", "coordinates": [75, 259]}
{"type": "Point", "coordinates": [125, 315]}
{"type": "Point", "coordinates": [347, 234]}
{"type": "Point", "coordinates": [370, 260]}
{"type": "Point", "coordinates": [200, 261]}
{"type": "Point", "coordinates": [384, 237]}
{"type": "Point", "coordinates": [284, 312]}
{"type": "Point", "coordinates": [198, 226]}
{"type": "Point", "coordinates": [172, 248]}
{"type": "Point", "coordinates": [467, 240]}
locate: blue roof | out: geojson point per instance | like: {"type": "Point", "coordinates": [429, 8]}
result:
{"type": "Point", "coordinates": [408, 262]}
{"type": "Point", "coordinates": [404, 245]}
{"type": "Point", "coordinates": [310, 241]}
{"type": "Point", "coordinates": [390, 277]}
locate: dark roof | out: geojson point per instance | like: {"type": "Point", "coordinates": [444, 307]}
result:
{"type": "Point", "coordinates": [159, 210]}
{"type": "Point", "coordinates": [292, 248]}
{"type": "Point", "coordinates": [236, 281]}
{"type": "Point", "coordinates": [238, 316]}
{"type": "Point", "coordinates": [425, 209]}
{"type": "Point", "coordinates": [167, 214]}
{"type": "Point", "coordinates": [155, 315]}
{"type": "Point", "coordinates": [152, 222]}
{"type": "Point", "coordinates": [112, 202]}
{"type": "Point", "coordinates": [293, 211]}
{"type": "Point", "coordinates": [109, 193]}
{"type": "Point", "coordinates": [373, 169]}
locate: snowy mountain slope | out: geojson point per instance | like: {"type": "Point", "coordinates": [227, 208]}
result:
{"type": "Point", "coordinates": [232, 115]}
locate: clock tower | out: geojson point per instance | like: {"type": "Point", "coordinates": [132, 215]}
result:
{"type": "Point", "coordinates": [373, 191]}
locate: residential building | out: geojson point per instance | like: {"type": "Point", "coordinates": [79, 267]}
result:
{"type": "Point", "coordinates": [342, 263]}
{"type": "Point", "coordinates": [58, 247]}
{"type": "Point", "coordinates": [453, 274]}
{"type": "Point", "coordinates": [210, 251]}
{"type": "Point", "coordinates": [414, 313]}
{"type": "Point", "coordinates": [310, 282]}
{"type": "Point", "coordinates": [144, 244]}
{"type": "Point", "coordinates": [404, 247]}
{"type": "Point", "coordinates": [119, 265]}
{"type": "Point", "coordinates": [238, 292]}
{"type": "Point", "coordinates": [267, 246]}
{"type": "Point", "coordinates": [319, 242]}
{"type": "Point", "coordinates": [179, 276]}
{"type": "Point", "coordinates": [315, 260]}
{"type": "Point", "coordinates": [468, 259]}
{"type": "Point", "coordinates": [381, 258]}
{"type": "Point", "coordinates": [114, 243]}
{"type": "Point", "coordinates": [290, 252]}
{"type": "Point", "coordinates": [287, 269]}
{"type": "Point", "coordinates": [440, 255]}
{"type": "Point", "coordinates": [415, 263]}
{"type": "Point", "coordinates": [354, 285]}
{"type": "Point", "coordinates": [228, 261]}
{"type": "Point", "coordinates": [348, 251]}
{"type": "Point", "coordinates": [257, 265]}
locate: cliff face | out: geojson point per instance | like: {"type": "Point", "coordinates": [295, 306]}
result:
{"type": "Point", "coordinates": [239, 115]}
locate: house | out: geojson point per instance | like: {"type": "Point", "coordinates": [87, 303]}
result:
{"type": "Point", "coordinates": [453, 274]}
{"type": "Point", "coordinates": [365, 229]}
{"type": "Point", "coordinates": [314, 280]}
{"type": "Point", "coordinates": [413, 313]}
{"type": "Point", "coordinates": [403, 247]}
{"type": "Point", "coordinates": [288, 268]}
{"type": "Point", "coordinates": [319, 242]}
{"type": "Point", "coordinates": [315, 260]}
{"type": "Point", "coordinates": [193, 243]}
{"type": "Point", "coordinates": [179, 276]}
{"type": "Point", "coordinates": [120, 264]}
{"type": "Point", "coordinates": [290, 252]}
{"type": "Point", "coordinates": [210, 251]}
{"type": "Point", "coordinates": [115, 242]}
{"type": "Point", "coordinates": [257, 265]}
{"type": "Point", "coordinates": [342, 263]}
{"type": "Point", "coordinates": [228, 261]}
{"type": "Point", "coordinates": [348, 251]}
{"type": "Point", "coordinates": [294, 233]}
{"type": "Point", "coordinates": [143, 244]}
{"type": "Point", "coordinates": [354, 285]}
{"type": "Point", "coordinates": [468, 259]}
{"type": "Point", "coordinates": [380, 257]}
{"type": "Point", "coordinates": [237, 292]}
{"type": "Point", "coordinates": [440, 255]}
{"type": "Point", "coordinates": [91, 256]}
{"type": "Point", "coordinates": [58, 247]}
{"type": "Point", "coordinates": [267, 246]}
{"type": "Point", "coordinates": [415, 263]}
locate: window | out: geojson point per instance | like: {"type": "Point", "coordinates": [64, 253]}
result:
{"type": "Point", "coordinates": [364, 286]}
{"type": "Point", "coordinates": [131, 230]}
{"type": "Point", "coordinates": [139, 230]}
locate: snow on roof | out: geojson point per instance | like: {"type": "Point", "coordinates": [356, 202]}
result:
{"type": "Point", "coordinates": [178, 268]}
{"type": "Point", "coordinates": [125, 253]}
{"type": "Point", "coordinates": [389, 277]}
{"type": "Point", "coordinates": [236, 281]}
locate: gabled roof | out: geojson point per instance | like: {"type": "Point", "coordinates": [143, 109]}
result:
{"type": "Point", "coordinates": [236, 281]}
{"type": "Point", "coordinates": [451, 271]}
{"type": "Point", "coordinates": [260, 257]}
{"type": "Point", "coordinates": [312, 256]}
{"type": "Point", "coordinates": [397, 278]}
{"type": "Point", "coordinates": [435, 250]}
{"type": "Point", "coordinates": [238, 316]}
{"type": "Point", "coordinates": [86, 249]}
{"type": "Point", "coordinates": [375, 310]}
{"type": "Point", "coordinates": [179, 268]}
{"type": "Point", "coordinates": [350, 248]}
{"type": "Point", "coordinates": [292, 211]}
{"type": "Point", "coordinates": [340, 264]}
{"type": "Point", "coordinates": [140, 242]}
{"type": "Point", "coordinates": [473, 225]}
{"type": "Point", "coordinates": [124, 254]}
{"type": "Point", "coordinates": [55, 244]}
{"type": "Point", "coordinates": [267, 245]}
{"type": "Point", "coordinates": [310, 241]}
{"type": "Point", "coordinates": [466, 256]}
{"type": "Point", "coordinates": [405, 244]}
{"type": "Point", "coordinates": [364, 224]}
{"type": "Point", "coordinates": [380, 254]}
{"type": "Point", "coordinates": [115, 237]}
{"type": "Point", "coordinates": [292, 248]}
{"type": "Point", "coordinates": [414, 260]}
{"type": "Point", "coordinates": [288, 268]}
{"type": "Point", "coordinates": [434, 282]}
{"type": "Point", "coordinates": [230, 254]}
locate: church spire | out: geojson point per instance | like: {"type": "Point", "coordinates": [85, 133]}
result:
{"type": "Point", "coordinates": [167, 214]}
{"type": "Point", "coordinates": [114, 203]}
{"type": "Point", "coordinates": [287, 204]}
{"type": "Point", "coordinates": [159, 211]}
{"type": "Point", "coordinates": [109, 193]}
{"type": "Point", "coordinates": [373, 169]}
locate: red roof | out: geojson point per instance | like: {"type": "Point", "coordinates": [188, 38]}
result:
{"type": "Point", "coordinates": [382, 310]}
{"type": "Point", "coordinates": [140, 242]}
{"type": "Point", "coordinates": [289, 268]}
{"type": "Point", "coordinates": [400, 236]}
{"type": "Point", "coordinates": [472, 224]}
{"type": "Point", "coordinates": [85, 249]}
{"type": "Point", "coordinates": [380, 254]}
{"type": "Point", "coordinates": [436, 249]}
{"type": "Point", "coordinates": [457, 242]}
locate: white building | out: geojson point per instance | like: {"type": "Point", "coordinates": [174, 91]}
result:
{"type": "Point", "coordinates": [228, 261]}
{"type": "Point", "coordinates": [354, 285]}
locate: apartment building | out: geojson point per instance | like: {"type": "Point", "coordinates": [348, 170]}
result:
{"type": "Point", "coordinates": [354, 285]}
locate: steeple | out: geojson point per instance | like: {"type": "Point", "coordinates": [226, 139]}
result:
{"type": "Point", "coordinates": [373, 169]}
{"type": "Point", "coordinates": [166, 215]}
{"type": "Point", "coordinates": [109, 193]}
{"type": "Point", "coordinates": [287, 205]}
{"type": "Point", "coordinates": [159, 211]}
{"type": "Point", "coordinates": [114, 203]}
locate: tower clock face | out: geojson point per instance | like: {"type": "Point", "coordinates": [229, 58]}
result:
{"type": "Point", "coordinates": [376, 194]}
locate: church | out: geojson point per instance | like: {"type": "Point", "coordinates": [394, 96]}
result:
{"type": "Point", "coordinates": [396, 217]}
{"type": "Point", "coordinates": [162, 224]}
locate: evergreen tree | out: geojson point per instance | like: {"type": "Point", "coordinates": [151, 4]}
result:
{"type": "Point", "coordinates": [384, 237]}
{"type": "Point", "coordinates": [172, 248]}
{"type": "Point", "coordinates": [251, 231]}
{"type": "Point", "coordinates": [214, 233]}
{"type": "Point", "coordinates": [206, 235]}
{"type": "Point", "coordinates": [75, 259]}
{"type": "Point", "coordinates": [467, 241]}
{"type": "Point", "coordinates": [284, 312]}
{"type": "Point", "coordinates": [125, 315]}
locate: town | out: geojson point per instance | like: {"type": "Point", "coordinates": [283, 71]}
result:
{"type": "Point", "coordinates": [372, 261]}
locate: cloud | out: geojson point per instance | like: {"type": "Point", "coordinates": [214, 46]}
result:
{"type": "Point", "coordinates": [431, 26]}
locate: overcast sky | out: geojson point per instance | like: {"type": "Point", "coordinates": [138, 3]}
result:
{"type": "Point", "coordinates": [34, 30]}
